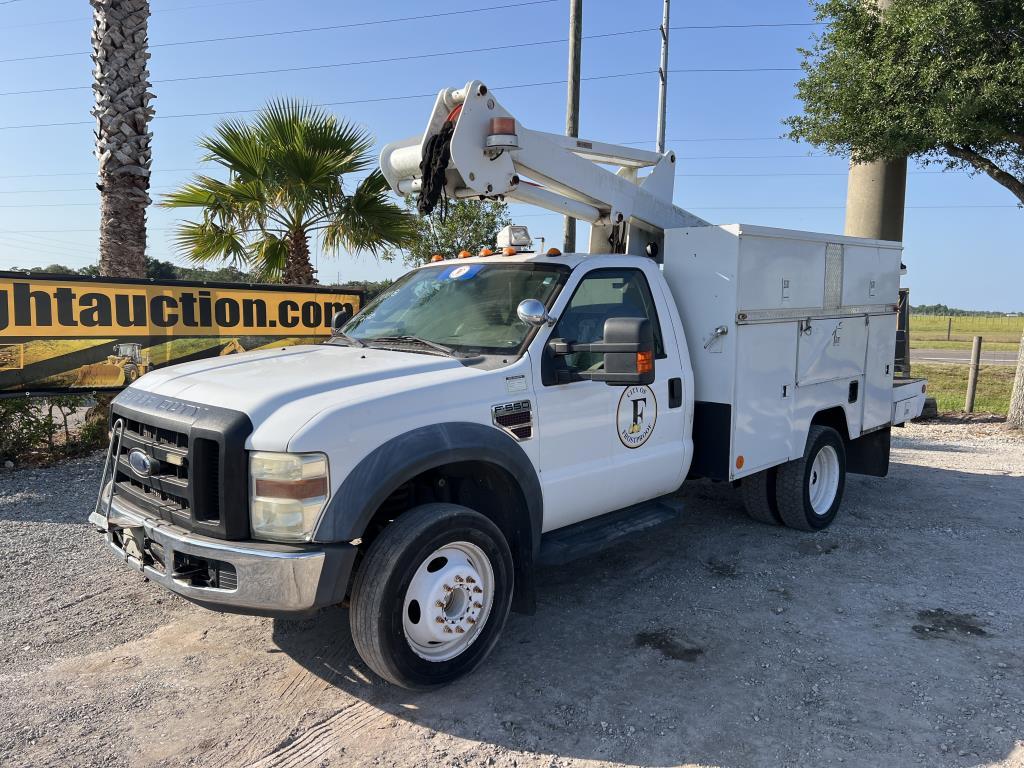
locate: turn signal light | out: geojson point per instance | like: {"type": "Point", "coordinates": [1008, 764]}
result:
{"type": "Point", "coordinates": [554, 252]}
{"type": "Point", "coordinates": [486, 252]}
{"type": "Point", "coordinates": [644, 362]}
{"type": "Point", "coordinates": [437, 257]}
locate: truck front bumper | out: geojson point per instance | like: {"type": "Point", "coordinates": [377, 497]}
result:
{"type": "Point", "coordinates": [236, 576]}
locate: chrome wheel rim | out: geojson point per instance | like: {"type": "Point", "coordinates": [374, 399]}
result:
{"type": "Point", "coordinates": [823, 482]}
{"type": "Point", "coordinates": [448, 601]}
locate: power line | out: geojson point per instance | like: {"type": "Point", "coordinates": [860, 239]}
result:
{"type": "Point", "coordinates": [357, 24]}
{"type": "Point", "coordinates": [402, 97]}
{"type": "Point", "coordinates": [336, 65]}
{"type": "Point", "coordinates": [751, 26]}
{"type": "Point", "coordinates": [51, 22]}
{"type": "Point", "coordinates": [300, 31]}
{"type": "Point", "coordinates": [409, 57]}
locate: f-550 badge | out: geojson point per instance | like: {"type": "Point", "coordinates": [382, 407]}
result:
{"type": "Point", "coordinates": [637, 413]}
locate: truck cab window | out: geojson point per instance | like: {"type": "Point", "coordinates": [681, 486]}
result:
{"type": "Point", "coordinates": [602, 294]}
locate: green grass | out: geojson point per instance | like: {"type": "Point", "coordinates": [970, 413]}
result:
{"type": "Point", "coordinates": [986, 346]}
{"type": "Point", "coordinates": [948, 385]}
{"type": "Point", "coordinates": [1005, 330]}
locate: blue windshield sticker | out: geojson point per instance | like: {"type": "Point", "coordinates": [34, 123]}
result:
{"type": "Point", "coordinates": [465, 272]}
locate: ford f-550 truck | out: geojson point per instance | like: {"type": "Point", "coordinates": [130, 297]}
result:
{"type": "Point", "coordinates": [490, 412]}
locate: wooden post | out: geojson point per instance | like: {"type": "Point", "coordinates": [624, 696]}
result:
{"type": "Point", "coordinates": [972, 376]}
{"type": "Point", "coordinates": [949, 328]}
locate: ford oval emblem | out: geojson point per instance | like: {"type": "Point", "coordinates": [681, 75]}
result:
{"type": "Point", "coordinates": [140, 462]}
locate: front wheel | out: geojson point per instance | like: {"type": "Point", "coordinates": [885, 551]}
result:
{"type": "Point", "coordinates": [431, 596]}
{"type": "Point", "coordinates": [808, 491]}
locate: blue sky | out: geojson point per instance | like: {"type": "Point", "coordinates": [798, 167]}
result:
{"type": "Point", "coordinates": [961, 232]}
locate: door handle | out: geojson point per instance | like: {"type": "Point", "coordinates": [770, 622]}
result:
{"type": "Point", "coordinates": [675, 392]}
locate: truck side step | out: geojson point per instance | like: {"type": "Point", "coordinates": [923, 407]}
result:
{"type": "Point", "coordinates": [592, 536]}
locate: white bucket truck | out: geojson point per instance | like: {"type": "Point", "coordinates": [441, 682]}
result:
{"type": "Point", "coordinates": [491, 412]}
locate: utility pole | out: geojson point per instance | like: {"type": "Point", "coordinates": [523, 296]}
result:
{"type": "Point", "coordinates": [663, 84]}
{"type": "Point", "coordinates": [572, 107]}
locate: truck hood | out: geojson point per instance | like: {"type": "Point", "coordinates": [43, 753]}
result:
{"type": "Point", "coordinates": [262, 382]}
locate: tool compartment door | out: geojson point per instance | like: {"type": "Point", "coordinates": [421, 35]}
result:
{"type": "Point", "coordinates": [878, 393]}
{"type": "Point", "coordinates": [765, 382]}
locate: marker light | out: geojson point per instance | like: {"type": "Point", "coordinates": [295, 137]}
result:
{"type": "Point", "coordinates": [287, 493]}
{"type": "Point", "coordinates": [486, 252]}
{"type": "Point", "coordinates": [554, 252]}
{"type": "Point", "coordinates": [509, 251]}
{"type": "Point", "coordinates": [644, 362]}
{"type": "Point", "coordinates": [501, 136]}
{"type": "Point", "coordinates": [437, 257]}
{"type": "Point", "coordinates": [739, 461]}
{"type": "Point", "coordinates": [464, 254]}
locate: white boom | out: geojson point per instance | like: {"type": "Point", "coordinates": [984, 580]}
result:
{"type": "Point", "coordinates": [493, 155]}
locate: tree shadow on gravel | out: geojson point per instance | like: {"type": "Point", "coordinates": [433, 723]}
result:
{"type": "Point", "coordinates": [645, 656]}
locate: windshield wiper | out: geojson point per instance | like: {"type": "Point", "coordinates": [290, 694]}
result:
{"type": "Point", "coordinates": [415, 340]}
{"type": "Point", "coordinates": [352, 341]}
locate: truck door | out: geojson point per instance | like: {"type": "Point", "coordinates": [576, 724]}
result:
{"type": "Point", "coordinates": [606, 447]}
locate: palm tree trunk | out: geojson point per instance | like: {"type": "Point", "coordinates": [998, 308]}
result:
{"type": "Point", "coordinates": [298, 270]}
{"type": "Point", "coordinates": [1015, 416]}
{"type": "Point", "coordinates": [120, 43]}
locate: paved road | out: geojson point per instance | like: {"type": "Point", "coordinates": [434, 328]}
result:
{"type": "Point", "coordinates": [962, 356]}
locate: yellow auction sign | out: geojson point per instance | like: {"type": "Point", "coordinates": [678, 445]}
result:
{"type": "Point", "coordinates": [67, 333]}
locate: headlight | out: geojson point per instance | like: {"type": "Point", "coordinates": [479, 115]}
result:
{"type": "Point", "coordinates": [287, 492]}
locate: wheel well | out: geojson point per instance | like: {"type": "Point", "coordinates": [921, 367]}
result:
{"type": "Point", "coordinates": [835, 418]}
{"type": "Point", "coordinates": [482, 486]}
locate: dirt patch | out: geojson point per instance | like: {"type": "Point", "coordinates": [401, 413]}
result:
{"type": "Point", "coordinates": [939, 622]}
{"type": "Point", "coordinates": [667, 645]}
{"type": "Point", "coordinates": [816, 547]}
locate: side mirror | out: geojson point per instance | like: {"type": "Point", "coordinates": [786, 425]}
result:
{"type": "Point", "coordinates": [628, 349]}
{"type": "Point", "coordinates": [534, 313]}
{"type": "Point", "coordinates": [340, 318]}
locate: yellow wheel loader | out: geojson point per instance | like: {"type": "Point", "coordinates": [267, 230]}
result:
{"type": "Point", "coordinates": [123, 367]}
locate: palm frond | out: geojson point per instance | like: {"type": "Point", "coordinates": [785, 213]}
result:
{"type": "Point", "coordinates": [368, 220]}
{"type": "Point", "coordinates": [203, 242]}
{"type": "Point", "coordinates": [268, 254]}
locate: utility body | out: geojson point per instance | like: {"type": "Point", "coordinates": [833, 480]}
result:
{"type": "Point", "coordinates": [489, 413]}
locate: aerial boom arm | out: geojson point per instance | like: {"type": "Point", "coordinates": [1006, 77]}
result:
{"type": "Point", "coordinates": [493, 155]}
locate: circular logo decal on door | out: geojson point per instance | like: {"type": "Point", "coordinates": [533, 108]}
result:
{"type": "Point", "coordinates": [637, 412]}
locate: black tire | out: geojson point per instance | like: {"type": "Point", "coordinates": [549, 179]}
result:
{"type": "Point", "coordinates": [793, 480]}
{"type": "Point", "coordinates": [131, 373]}
{"type": "Point", "coordinates": [379, 590]}
{"type": "Point", "coordinates": [759, 497]}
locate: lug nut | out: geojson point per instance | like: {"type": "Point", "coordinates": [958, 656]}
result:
{"type": "Point", "coordinates": [470, 580]}
{"type": "Point", "coordinates": [447, 587]}
{"type": "Point", "coordinates": [470, 620]}
{"type": "Point", "coordinates": [478, 606]}
{"type": "Point", "coordinates": [439, 603]}
{"type": "Point", "coordinates": [448, 630]}
{"type": "Point", "coordinates": [459, 579]}
{"type": "Point", "coordinates": [459, 630]}
{"type": "Point", "coordinates": [477, 590]}
{"type": "Point", "coordinates": [439, 619]}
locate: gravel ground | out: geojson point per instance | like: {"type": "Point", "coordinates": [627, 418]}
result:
{"type": "Point", "coordinates": [894, 638]}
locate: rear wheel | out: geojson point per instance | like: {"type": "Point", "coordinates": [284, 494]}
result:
{"type": "Point", "coordinates": [759, 497]}
{"type": "Point", "coordinates": [431, 596]}
{"type": "Point", "coordinates": [809, 490]}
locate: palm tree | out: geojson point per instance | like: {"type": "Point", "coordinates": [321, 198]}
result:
{"type": "Point", "coordinates": [120, 50]}
{"type": "Point", "coordinates": [285, 184]}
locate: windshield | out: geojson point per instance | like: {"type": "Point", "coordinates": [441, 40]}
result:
{"type": "Point", "coordinates": [470, 308]}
